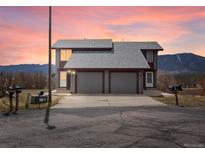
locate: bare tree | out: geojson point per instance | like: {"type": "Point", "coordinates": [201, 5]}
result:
{"type": "Point", "coordinates": [165, 80]}
{"type": "Point", "coordinates": [202, 82]}
{"type": "Point", "coordinates": [26, 80]}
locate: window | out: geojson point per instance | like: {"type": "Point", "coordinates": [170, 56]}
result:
{"type": "Point", "coordinates": [63, 79]}
{"type": "Point", "coordinates": [65, 54]}
{"type": "Point", "coordinates": [149, 79]}
{"type": "Point", "coordinates": [149, 56]}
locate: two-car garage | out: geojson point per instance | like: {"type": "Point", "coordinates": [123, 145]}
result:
{"type": "Point", "coordinates": [116, 82]}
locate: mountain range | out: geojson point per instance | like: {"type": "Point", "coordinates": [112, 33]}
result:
{"type": "Point", "coordinates": [182, 63]}
{"type": "Point", "coordinates": [27, 68]}
{"type": "Point", "coordinates": [176, 63]}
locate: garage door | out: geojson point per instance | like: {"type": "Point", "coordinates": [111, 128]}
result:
{"type": "Point", "coordinates": [123, 82]}
{"type": "Point", "coordinates": [89, 82]}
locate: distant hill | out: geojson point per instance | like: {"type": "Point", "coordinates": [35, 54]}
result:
{"type": "Point", "coordinates": [183, 62]}
{"type": "Point", "coordinates": [177, 63]}
{"type": "Point", "coordinates": [26, 68]}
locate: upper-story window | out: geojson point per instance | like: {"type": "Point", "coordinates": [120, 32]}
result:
{"type": "Point", "coordinates": [149, 56]}
{"type": "Point", "coordinates": [65, 54]}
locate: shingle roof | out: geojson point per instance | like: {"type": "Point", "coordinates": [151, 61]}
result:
{"type": "Point", "coordinates": [83, 43]}
{"type": "Point", "coordinates": [147, 45]}
{"type": "Point", "coordinates": [124, 55]}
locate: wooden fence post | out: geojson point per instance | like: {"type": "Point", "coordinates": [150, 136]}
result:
{"type": "Point", "coordinates": [28, 99]}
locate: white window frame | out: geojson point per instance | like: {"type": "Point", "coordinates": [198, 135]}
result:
{"type": "Point", "coordinates": [63, 83]}
{"type": "Point", "coordinates": [149, 84]}
{"type": "Point", "coordinates": [150, 56]}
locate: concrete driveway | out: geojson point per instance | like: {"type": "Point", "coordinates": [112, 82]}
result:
{"type": "Point", "coordinates": [82, 101]}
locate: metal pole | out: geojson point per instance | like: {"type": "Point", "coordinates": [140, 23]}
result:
{"type": "Point", "coordinates": [49, 73]}
{"type": "Point", "coordinates": [49, 60]}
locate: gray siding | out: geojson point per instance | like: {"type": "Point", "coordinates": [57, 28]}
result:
{"type": "Point", "coordinates": [106, 81]}
{"type": "Point", "coordinates": [155, 79]}
{"type": "Point", "coordinates": [57, 58]}
{"type": "Point", "coordinates": [155, 55]}
{"type": "Point", "coordinates": [57, 64]}
{"type": "Point", "coordinates": [140, 82]}
{"type": "Point", "coordinates": [72, 84]}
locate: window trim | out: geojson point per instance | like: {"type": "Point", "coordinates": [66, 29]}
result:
{"type": "Point", "coordinates": [62, 80]}
{"type": "Point", "coordinates": [149, 85]}
{"type": "Point", "coordinates": [152, 55]}
{"type": "Point", "coordinates": [65, 50]}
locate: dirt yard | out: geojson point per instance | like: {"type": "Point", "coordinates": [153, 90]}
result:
{"type": "Point", "coordinates": [4, 102]}
{"type": "Point", "coordinates": [184, 100]}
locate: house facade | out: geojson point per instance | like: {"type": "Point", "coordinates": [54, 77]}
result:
{"type": "Point", "coordinates": [104, 66]}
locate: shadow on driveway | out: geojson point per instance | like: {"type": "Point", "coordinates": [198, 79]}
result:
{"type": "Point", "coordinates": [103, 111]}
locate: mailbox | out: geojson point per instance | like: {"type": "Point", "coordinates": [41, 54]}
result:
{"type": "Point", "coordinates": [39, 99]}
{"type": "Point", "coordinates": [41, 93]}
{"type": "Point", "coordinates": [179, 87]}
{"type": "Point", "coordinates": [18, 89]}
{"type": "Point", "coordinates": [11, 90]}
{"type": "Point", "coordinates": [174, 90]}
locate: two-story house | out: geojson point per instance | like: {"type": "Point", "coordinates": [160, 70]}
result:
{"type": "Point", "coordinates": [104, 66]}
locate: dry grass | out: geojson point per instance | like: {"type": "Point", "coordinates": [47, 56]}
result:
{"type": "Point", "coordinates": [184, 100]}
{"type": "Point", "coordinates": [193, 91]}
{"type": "Point", "coordinates": [4, 102]}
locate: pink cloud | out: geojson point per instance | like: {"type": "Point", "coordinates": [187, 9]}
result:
{"type": "Point", "coordinates": [24, 30]}
{"type": "Point", "coordinates": [158, 15]}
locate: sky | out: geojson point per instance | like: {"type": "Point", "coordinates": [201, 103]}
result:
{"type": "Point", "coordinates": [24, 30]}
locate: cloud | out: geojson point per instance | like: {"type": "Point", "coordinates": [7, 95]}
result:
{"type": "Point", "coordinates": [24, 30]}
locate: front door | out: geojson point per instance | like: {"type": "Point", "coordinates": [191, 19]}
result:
{"type": "Point", "coordinates": [149, 79]}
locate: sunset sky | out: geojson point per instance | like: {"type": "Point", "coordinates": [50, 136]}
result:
{"type": "Point", "coordinates": [24, 30]}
